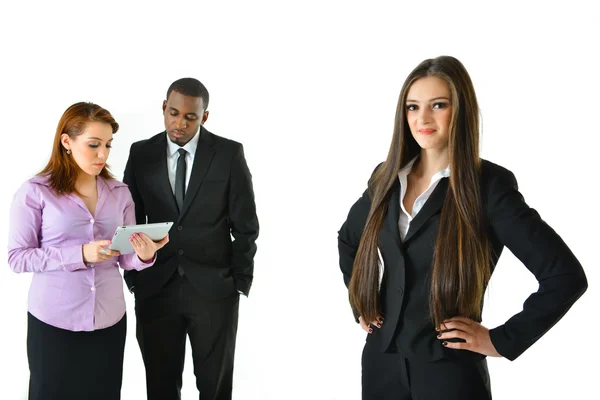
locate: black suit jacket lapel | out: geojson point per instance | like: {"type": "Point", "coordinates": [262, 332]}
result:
{"type": "Point", "coordinates": [160, 170]}
{"type": "Point", "coordinates": [202, 159]}
{"type": "Point", "coordinates": [431, 206]}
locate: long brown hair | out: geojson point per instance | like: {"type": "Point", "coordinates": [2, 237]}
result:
{"type": "Point", "coordinates": [461, 267]}
{"type": "Point", "coordinates": [62, 170]}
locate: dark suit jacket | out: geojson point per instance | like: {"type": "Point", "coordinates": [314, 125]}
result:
{"type": "Point", "coordinates": [406, 281]}
{"type": "Point", "coordinates": [219, 204]}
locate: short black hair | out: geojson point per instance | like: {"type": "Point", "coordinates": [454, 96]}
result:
{"type": "Point", "coordinates": [190, 87]}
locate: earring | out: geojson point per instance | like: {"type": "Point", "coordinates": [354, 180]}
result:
{"type": "Point", "coordinates": [69, 151]}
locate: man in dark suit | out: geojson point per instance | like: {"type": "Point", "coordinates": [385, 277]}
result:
{"type": "Point", "coordinates": [202, 183]}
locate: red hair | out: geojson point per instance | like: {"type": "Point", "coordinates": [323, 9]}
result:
{"type": "Point", "coordinates": [62, 170]}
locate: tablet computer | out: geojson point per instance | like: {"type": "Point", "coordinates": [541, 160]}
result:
{"type": "Point", "coordinates": [120, 240]}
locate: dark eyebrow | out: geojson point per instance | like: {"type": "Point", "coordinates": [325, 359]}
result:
{"type": "Point", "coordinates": [188, 114]}
{"type": "Point", "coordinates": [96, 138]}
{"type": "Point", "coordinates": [435, 98]}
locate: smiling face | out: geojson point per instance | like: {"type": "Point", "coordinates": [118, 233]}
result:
{"type": "Point", "coordinates": [91, 149]}
{"type": "Point", "coordinates": [183, 117]}
{"type": "Point", "coordinates": [429, 112]}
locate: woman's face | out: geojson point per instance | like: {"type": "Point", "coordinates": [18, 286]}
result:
{"type": "Point", "coordinates": [429, 111]}
{"type": "Point", "coordinates": [90, 150]}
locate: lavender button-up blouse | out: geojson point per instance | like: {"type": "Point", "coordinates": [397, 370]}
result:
{"type": "Point", "coordinates": [46, 235]}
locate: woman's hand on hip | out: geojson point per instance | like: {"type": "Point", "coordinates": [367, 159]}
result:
{"type": "Point", "coordinates": [367, 327]}
{"type": "Point", "coordinates": [476, 336]}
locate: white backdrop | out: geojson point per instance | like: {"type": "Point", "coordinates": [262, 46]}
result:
{"type": "Point", "coordinates": [310, 89]}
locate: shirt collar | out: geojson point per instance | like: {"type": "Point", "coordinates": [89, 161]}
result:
{"type": "Point", "coordinates": [403, 173]}
{"type": "Point", "coordinates": [407, 168]}
{"type": "Point", "coordinates": [190, 146]}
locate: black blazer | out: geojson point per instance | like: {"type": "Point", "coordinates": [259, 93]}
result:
{"type": "Point", "coordinates": [219, 204]}
{"type": "Point", "coordinates": [406, 282]}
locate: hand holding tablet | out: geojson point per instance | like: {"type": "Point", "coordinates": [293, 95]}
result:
{"type": "Point", "coordinates": [97, 251]}
{"type": "Point", "coordinates": [127, 238]}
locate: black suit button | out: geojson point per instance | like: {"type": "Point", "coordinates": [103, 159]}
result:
{"type": "Point", "coordinates": [180, 252]}
{"type": "Point", "coordinates": [401, 291]}
{"type": "Point", "coordinates": [180, 228]}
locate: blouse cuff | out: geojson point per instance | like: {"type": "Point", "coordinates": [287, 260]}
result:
{"type": "Point", "coordinates": [72, 258]}
{"type": "Point", "coordinates": [150, 261]}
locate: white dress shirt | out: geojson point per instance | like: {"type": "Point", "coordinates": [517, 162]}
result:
{"type": "Point", "coordinates": [406, 218]}
{"type": "Point", "coordinates": [173, 157]}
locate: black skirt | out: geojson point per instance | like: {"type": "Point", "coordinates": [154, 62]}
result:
{"type": "Point", "coordinates": [67, 365]}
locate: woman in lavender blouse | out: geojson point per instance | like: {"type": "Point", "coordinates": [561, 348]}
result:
{"type": "Point", "coordinates": [59, 223]}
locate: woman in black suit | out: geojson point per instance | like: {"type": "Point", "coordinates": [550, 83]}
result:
{"type": "Point", "coordinates": [420, 245]}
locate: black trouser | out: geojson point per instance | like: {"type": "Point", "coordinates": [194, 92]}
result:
{"type": "Point", "coordinates": [66, 365]}
{"type": "Point", "coordinates": [164, 320]}
{"type": "Point", "coordinates": [390, 376]}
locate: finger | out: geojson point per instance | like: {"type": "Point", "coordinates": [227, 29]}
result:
{"type": "Point", "coordinates": [377, 323]}
{"type": "Point", "coordinates": [105, 251]}
{"type": "Point", "coordinates": [363, 325]}
{"type": "Point", "coordinates": [102, 243]}
{"type": "Point", "coordinates": [145, 240]}
{"type": "Point", "coordinates": [143, 237]}
{"type": "Point", "coordinates": [147, 243]}
{"type": "Point", "coordinates": [137, 249]}
{"type": "Point", "coordinates": [455, 325]}
{"type": "Point", "coordinates": [455, 334]}
{"type": "Point", "coordinates": [135, 241]}
{"type": "Point", "coordinates": [457, 345]}
{"type": "Point", "coordinates": [164, 241]}
{"type": "Point", "coordinates": [101, 254]}
{"type": "Point", "coordinates": [102, 257]}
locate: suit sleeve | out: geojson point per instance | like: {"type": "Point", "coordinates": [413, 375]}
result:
{"type": "Point", "coordinates": [560, 275]}
{"type": "Point", "coordinates": [350, 233]}
{"type": "Point", "coordinates": [140, 214]}
{"type": "Point", "coordinates": [243, 222]}
{"type": "Point", "coordinates": [349, 237]}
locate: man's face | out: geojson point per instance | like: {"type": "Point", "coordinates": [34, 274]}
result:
{"type": "Point", "coordinates": [183, 117]}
